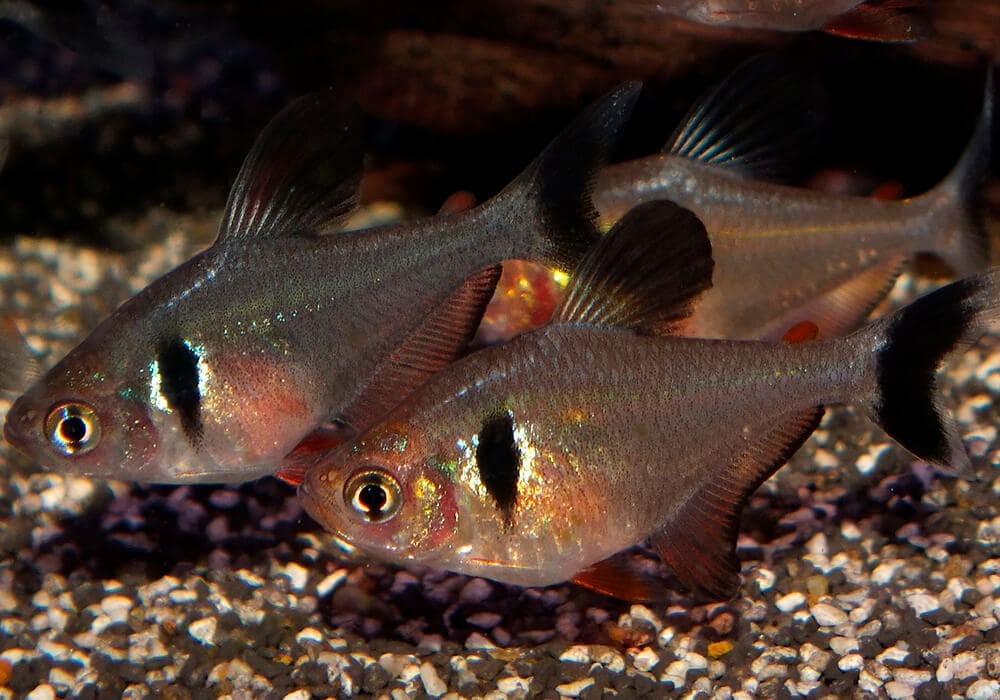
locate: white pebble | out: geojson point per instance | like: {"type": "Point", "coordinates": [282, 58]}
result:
{"type": "Point", "coordinates": [885, 572]}
{"type": "Point", "coordinates": [298, 576]}
{"type": "Point", "coordinates": [513, 684]}
{"type": "Point", "coordinates": [945, 670]}
{"type": "Point", "coordinates": [476, 591]}
{"type": "Point", "coordinates": [117, 607]}
{"type": "Point", "coordinates": [575, 688]}
{"type": "Point", "coordinates": [299, 694]}
{"type": "Point", "coordinates": [331, 583]}
{"type": "Point", "coordinates": [646, 659]}
{"type": "Point", "coordinates": [42, 692]}
{"type": "Point", "coordinates": [827, 615]}
{"type": "Point", "coordinates": [790, 601]}
{"type": "Point", "coordinates": [983, 689]}
{"type": "Point", "coordinates": [576, 654]}
{"type": "Point", "coordinates": [851, 662]}
{"type": "Point", "coordinates": [309, 634]}
{"type": "Point", "coordinates": [898, 690]}
{"type": "Point", "coordinates": [923, 603]}
{"type": "Point", "coordinates": [484, 620]}
{"type": "Point", "coordinates": [433, 685]}
{"type": "Point", "coordinates": [843, 645]}
{"type": "Point", "coordinates": [203, 630]}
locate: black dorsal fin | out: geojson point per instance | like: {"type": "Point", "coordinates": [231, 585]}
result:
{"type": "Point", "coordinates": [302, 175]}
{"type": "Point", "coordinates": [699, 543]}
{"type": "Point", "coordinates": [440, 340]}
{"type": "Point", "coordinates": [762, 120]}
{"type": "Point", "coordinates": [644, 274]}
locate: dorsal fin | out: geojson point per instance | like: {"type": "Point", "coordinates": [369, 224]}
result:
{"type": "Point", "coordinates": [644, 274]}
{"type": "Point", "coordinates": [699, 542]}
{"type": "Point", "coordinates": [19, 366]}
{"type": "Point", "coordinates": [302, 175]}
{"type": "Point", "coordinates": [439, 341]}
{"type": "Point", "coordinates": [762, 120]}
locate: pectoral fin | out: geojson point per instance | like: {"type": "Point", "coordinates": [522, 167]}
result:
{"type": "Point", "coordinates": [302, 175]}
{"type": "Point", "coordinates": [439, 341]}
{"type": "Point", "coordinates": [699, 542]}
{"type": "Point", "coordinates": [322, 440]}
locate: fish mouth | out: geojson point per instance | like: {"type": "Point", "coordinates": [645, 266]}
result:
{"type": "Point", "coordinates": [313, 505]}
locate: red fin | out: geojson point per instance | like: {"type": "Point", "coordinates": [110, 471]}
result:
{"type": "Point", "coordinates": [438, 342]}
{"type": "Point", "coordinates": [699, 543]}
{"type": "Point", "coordinates": [460, 201]}
{"type": "Point", "coordinates": [880, 22]}
{"type": "Point", "coordinates": [320, 441]}
{"type": "Point", "coordinates": [801, 332]}
{"type": "Point", "coordinates": [616, 579]}
{"type": "Point", "coordinates": [888, 191]}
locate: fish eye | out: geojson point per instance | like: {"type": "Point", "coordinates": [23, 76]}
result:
{"type": "Point", "coordinates": [72, 428]}
{"type": "Point", "coordinates": [374, 494]}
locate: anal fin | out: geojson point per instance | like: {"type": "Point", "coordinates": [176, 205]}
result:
{"type": "Point", "coordinates": [843, 308]}
{"type": "Point", "coordinates": [881, 21]}
{"type": "Point", "coordinates": [440, 340]}
{"type": "Point", "coordinates": [699, 543]}
{"type": "Point", "coordinates": [615, 578]}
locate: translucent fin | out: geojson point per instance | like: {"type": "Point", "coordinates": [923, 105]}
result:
{"type": "Point", "coordinates": [617, 579]}
{"type": "Point", "coordinates": [881, 21]}
{"type": "Point", "coordinates": [645, 273]}
{"type": "Point", "coordinates": [319, 442]}
{"type": "Point", "coordinates": [959, 209]}
{"type": "Point", "coordinates": [302, 175]}
{"type": "Point", "coordinates": [699, 543]}
{"type": "Point", "coordinates": [550, 202]}
{"type": "Point", "coordinates": [844, 308]}
{"type": "Point", "coordinates": [463, 200]}
{"type": "Point", "coordinates": [19, 366]}
{"type": "Point", "coordinates": [762, 120]}
{"type": "Point", "coordinates": [801, 332]}
{"type": "Point", "coordinates": [911, 346]}
{"type": "Point", "coordinates": [439, 341]}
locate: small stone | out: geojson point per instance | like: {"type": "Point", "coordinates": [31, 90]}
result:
{"type": "Point", "coordinates": [299, 694]}
{"type": "Point", "coordinates": [478, 641]}
{"type": "Point", "coordinates": [827, 615]}
{"type": "Point", "coordinates": [42, 692]}
{"type": "Point", "coordinates": [117, 607]}
{"type": "Point", "coordinates": [512, 685]}
{"type": "Point", "coordinates": [983, 689]}
{"type": "Point", "coordinates": [720, 648]}
{"type": "Point", "coordinates": [898, 690]}
{"type": "Point", "coordinates": [203, 630]}
{"type": "Point", "coordinates": [945, 670]}
{"type": "Point", "coordinates": [575, 688]}
{"type": "Point", "coordinates": [298, 576]}
{"type": "Point", "coordinates": [433, 685]}
{"type": "Point", "coordinates": [576, 654]}
{"type": "Point", "coordinates": [843, 645]}
{"type": "Point", "coordinates": [331, 583]}
{"type": "Point", "coordinates": [310, 635]}
{"type": "Point", "coordinates": [791, 601]}
{"type": "Point", "coordinates": [485, 620]}
{"type": "Point", "coordinates": [647, 659]}
{"type": "Point", "coordinates": [476, 591]}
{"type": "Point", "coordinates": [851, 662]}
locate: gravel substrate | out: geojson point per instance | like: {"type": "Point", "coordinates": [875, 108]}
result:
{"type": "Point", "coordinates": [864, 573]}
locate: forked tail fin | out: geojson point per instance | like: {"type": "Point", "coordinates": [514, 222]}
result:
{"type": "Point", "coordinates": [910, 346]}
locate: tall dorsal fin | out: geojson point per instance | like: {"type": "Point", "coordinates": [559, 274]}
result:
{"type": "Point", "coordinates": [699, 542]}
{"type": "Point", "coordinates": [762, 120]}
{"type": "Point", "coordinates": [302, 175]}
{"type": "Point", "coordinates": [644, 274]}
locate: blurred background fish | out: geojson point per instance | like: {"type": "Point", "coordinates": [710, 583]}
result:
{"type": "Point", "coordinates": [534, 462]}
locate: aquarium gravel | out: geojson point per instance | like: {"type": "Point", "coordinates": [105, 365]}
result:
{"type": "Point", "coordinates": [864, 572]}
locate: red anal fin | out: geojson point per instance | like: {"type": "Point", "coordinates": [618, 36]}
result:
{"type": "Point", "coordinates": [888, 191]}
{"type": "Point", "coordinates": [438, 342]}
{"type": "Point", "coordinates": [801, 332]}
{"type": "Point", "coordinates": [460, 201]}
{"type": "Point", "coordinates": [880, 22]}
{"type": "Point", "coordinates": [320, 441]}
{"type": "Point", "coordinates": [616, 579]}
{"type": "Point", "coordinates": [699, 543]}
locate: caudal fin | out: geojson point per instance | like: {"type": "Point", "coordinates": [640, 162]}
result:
{"type": "Point", "coordinates": [911, 345]}
{"type": "Point", "coordinates": [550, 202]}
{"type": "Point", "coordinates": [961, 229]}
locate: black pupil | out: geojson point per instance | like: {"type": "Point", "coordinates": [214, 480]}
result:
{"type": "Point", "coordinates": [373, 498]}
{"type": "Point", "coordinates": [73, 429]}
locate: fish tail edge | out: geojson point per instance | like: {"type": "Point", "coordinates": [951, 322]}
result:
{"type": "Point", "coordinates": [911, 345]}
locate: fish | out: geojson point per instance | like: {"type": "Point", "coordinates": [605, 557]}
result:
{"type": "Point", "coordinates": [536, 462]}
{"type": "Point", "coordinates": [785, 254]}
{"type": "Point", "coordinates": [886, 21]}
{"type": "Point", "coordinates": [217, 370]}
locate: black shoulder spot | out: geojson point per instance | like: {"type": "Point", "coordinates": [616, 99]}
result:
{"type": "Point", "coordinates": [178, 365]}
{"type": "Point", "coordinates": [499, 461]}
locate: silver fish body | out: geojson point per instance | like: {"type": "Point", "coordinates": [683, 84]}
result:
{"type": "Point", "coordinates": [218, 369]}
{"type": "Point", "coordinates": [787, 15]}
{"type": "Point", "coordinates": [786, 254]}
{"type": "Point", "coordinates": [532, 462]}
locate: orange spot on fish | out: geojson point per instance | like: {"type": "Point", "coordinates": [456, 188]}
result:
{"type": "Point", "coordinates": [801, 332]}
